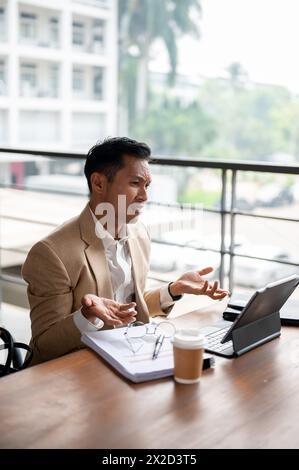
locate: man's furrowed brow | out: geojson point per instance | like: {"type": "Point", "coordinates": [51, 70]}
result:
{"type": "Point", "coordinates": [148, 180]}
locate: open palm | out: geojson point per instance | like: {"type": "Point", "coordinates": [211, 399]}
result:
{"type": "Point", "coordinates": [112, 313]}
{"type": "Point", "coordinates": [192, 282]}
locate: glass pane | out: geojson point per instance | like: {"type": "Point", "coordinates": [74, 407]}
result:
{"type": "Point", "coordinates": [184, 223]}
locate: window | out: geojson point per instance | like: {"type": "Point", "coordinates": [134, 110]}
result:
{"type": "Point", "coordinates": [98, 83]}
{"type": "Point", "coordinates": [40, 127]}
{"type": "Point", "coordinates": [54, 31]}
{"type": "Point", "coordinates": [28, 28]}
{"type": "Point", "coordinates": [78, 79]}
{"type": "Point", "coordinates": [78, 33]}
{"type": "Point", "coordinates": [98, 36]}
{"type": "Point", "coordinates": [2, 78]}
{"type": "Point", "coordinates": [54, 80]}
{"type": "Point", "coordinates": [28, 80]}
{"type": "Point", "coordinates": [87, 128]}
{"type": "Point", "coordinates": [2, 23]}
{"type": "Point", "coordinates": [3, 128]}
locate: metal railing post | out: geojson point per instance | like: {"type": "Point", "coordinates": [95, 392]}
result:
{"type": "Point", "coordinates": [1, 255]}
{"type": "Point", "coordinates": [232, 230]}
{"type": "Point", "coordinates": [227, 209]}
{"type": "Point", "coordinates": [222, 226]}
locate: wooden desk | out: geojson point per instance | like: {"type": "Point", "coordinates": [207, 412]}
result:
{"type": "Point", "coordinates": [78, 401]}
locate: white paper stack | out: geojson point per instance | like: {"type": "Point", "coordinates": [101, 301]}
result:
{"type": "Point", "coordinates": [137, 367]}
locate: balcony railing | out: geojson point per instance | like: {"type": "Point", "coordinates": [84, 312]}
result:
{"type": "Point", "coordinates": [95, 3]}
{"type": "Point", "coordinates": [227, 209]}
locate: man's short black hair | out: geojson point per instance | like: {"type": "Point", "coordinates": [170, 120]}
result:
{"type": "Point", "coordinates": [107, 156]}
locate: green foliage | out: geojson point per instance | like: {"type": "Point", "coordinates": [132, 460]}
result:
{"type": "Point", "coordinates": [229, 119]}
{"type": "Point", "coordinates": [140, 23]}
{"type": "Point", "coordinates": [207, 198]}
{"type": "Point", "coordinates": [252, 122]}
{"type": "Point", "coordinates": [143, 21]}
{"type": "Point", "coordinates": [171, 128]}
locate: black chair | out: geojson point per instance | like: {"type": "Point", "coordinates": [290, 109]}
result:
{"type": "Point", "coordinates": [14, 361]}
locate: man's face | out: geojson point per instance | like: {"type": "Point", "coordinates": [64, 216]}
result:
{"type": "Point", "coordinates": [132, 182]}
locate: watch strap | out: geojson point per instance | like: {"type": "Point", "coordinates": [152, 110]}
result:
{"type": "Point", "coordinates": [174, 297]}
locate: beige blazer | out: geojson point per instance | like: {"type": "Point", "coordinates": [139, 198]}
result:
{"type": "Point", "coordinates": [68, 264]}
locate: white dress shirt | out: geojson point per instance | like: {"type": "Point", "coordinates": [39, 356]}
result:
{"type": "Point", "coordinates": [120, 267]}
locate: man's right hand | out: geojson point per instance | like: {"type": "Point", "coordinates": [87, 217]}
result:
{"type": "Point", "coordinates": [112, 313]}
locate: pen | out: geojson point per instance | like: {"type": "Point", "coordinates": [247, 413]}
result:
{"type": "Point", "coordinates": [158, 345]}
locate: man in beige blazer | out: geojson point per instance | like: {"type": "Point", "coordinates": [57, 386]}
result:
{"type": "Point", "coordinates": [90, 273]}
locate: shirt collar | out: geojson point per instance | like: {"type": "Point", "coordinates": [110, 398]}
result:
{"type": "Point", "coordinates": [107, 239]}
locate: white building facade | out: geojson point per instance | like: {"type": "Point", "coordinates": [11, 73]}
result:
{"type": "Point", "coordinates": [58, 73]}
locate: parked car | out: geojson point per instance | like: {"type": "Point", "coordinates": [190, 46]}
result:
{"type": "Point", "coordinates": [186, 257]}
{"type": "Point", "coordinates": [257, 273]}
{"type": "Point", "coordinates": [269, 195]}
{"type": "Point", "coordinates": [194, 239]}
{"type": "Point", "coordinates": [191, 259]}
{"type": "Point", "coordinates": [60, 183]}
{"type": "Point", "coordinates": [167, 256]}
{"type": "Point", "coordinates": [273, 195]}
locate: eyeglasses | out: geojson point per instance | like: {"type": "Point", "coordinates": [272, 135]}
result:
{"type": "Point", "coordinates": [136, 332]}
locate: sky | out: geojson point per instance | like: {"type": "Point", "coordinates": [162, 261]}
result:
{"type": "Point", "coordinates": [263, 35]}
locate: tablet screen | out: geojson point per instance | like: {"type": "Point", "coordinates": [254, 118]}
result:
{"type": "Point", "coordinates": [264, 302]}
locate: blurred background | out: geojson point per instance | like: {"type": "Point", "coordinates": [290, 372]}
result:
{"type": "Point", "coordinates": [211, 85]}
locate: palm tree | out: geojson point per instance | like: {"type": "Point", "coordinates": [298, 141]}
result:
{"type": "Point", "coordinates": [140, 23]}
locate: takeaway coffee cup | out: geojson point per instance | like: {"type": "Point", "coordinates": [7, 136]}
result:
{"type": "Point", "coordinates": [188, 350]}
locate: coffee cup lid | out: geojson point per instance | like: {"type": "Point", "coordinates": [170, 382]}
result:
{"type": "Point", "coordinates": [189, 338]}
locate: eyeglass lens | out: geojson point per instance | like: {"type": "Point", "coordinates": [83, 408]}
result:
{"type": "Point", "coordinates": [164, 328]}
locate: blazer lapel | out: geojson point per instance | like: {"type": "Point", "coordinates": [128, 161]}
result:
{"type": "Point", "coordinates": [143, 313]}
{"type": "Point", "coordinates": [98, 264]}
{"type": "Point", "coordinates": [95, 254]}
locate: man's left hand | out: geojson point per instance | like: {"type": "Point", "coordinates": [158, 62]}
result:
{"type": "Point", "coordinates": [192, 283]}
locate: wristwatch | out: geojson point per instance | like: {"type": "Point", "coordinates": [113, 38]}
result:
{"type": "Point", "coordinates": [174, 297]}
